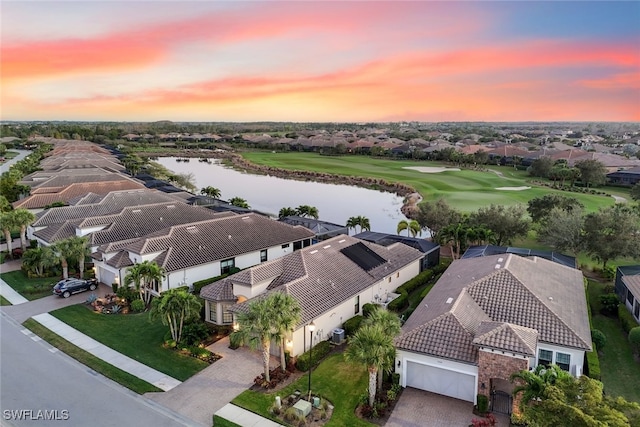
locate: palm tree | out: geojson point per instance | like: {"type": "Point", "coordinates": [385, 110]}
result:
{"type": "Point", "coordinates": [210, 191]}
{"type": "Point", "coordinates": [457, 234]}
{"type": "Point", "coordinates": [5, 206]}
{"type": "Point", "coordinates": [8, 222]}
{"type": "Point", "coordinates": [142, 276]}
{"type": "Point", "coordinates": [284, 212]}
{"type": "Point", "coordinates": [411, 226]}
{"type": "Point", "coordinates": [370, 346]}
{"type": "Point", "coordinates": [307, 211]}
{"type": "Point", "coordinates": [63, 250]}
{"type": "Point", "coordinates": [37, 259]}
{"type": "Point", "coordinates": [256, 326]}
{"type": "Point", "coordinates": [174, 307]}
{"type": "Point", "coordinates": [359, 221]}
{"type": "Point", "coordinates": [533, 384]}
{"type": "Point", "coordinates": [390, 324]}
{"type": "Point", "coordinates": [239, 202]}
{"type": "Point", "coordinates": [287, 315]}
{"type": "Point", "coordinates": [77, 248]}
{"type": "Point", "coordinates": [23, 218]}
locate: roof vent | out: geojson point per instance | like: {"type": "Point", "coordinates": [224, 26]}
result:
{"type": "Point", "coordinates": [229, 236]}
{"type": "Point", "coordinates": [313, 251]}
{"type": "Point", "coordinates": [160, 219]}
{"type": "Point", "coordinates": [171, 206]}
{"type": "Point", "coordinates": [136, 210]}
{"type": "Point", "coordinates": [341, 241]}
{"type": "Point", "coordinates": [500, 259]}
{"type": "Point", "coordinates": [449, 300]}
{"type": "Point", "coordinates": [245, 217]}
{"type": "Point", "coordinates": [550, 298]}
{"type": "Point", "coordinates": [191, 227]}
{"type": "Point", "coordinates": [326, 247]}
{"type": "Point", "coordinates": [497, 266]}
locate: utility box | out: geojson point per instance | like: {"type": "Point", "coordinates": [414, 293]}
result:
{"type": "Point", "coordinates": [338, 336]}
{"type": "Point", "coordinates": [302, 408]}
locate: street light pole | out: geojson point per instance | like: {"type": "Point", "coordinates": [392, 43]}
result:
{"type": "Point", "coordinates": [312, 327]}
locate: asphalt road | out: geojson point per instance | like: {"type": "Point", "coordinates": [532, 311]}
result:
{"type": "Point", "coordinates": [47, 388]}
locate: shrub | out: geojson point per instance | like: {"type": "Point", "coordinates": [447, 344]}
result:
{"type": "Point", "coordinates": [626, 319]}
{"type": "Point", "coordinates": [421, 279]}
{"type": "Point", "coordinates": [127, 293]}
{"type": "Point", "coordinates": [194, 333]}
{"type": "Point", "coordinates": [235, 340]}
{"type": "Point", "coordinates": [598, 338]}
{"type": "Point", "coordinates": [395, 378]}
{"type": "Point", "coordinates": [352, 325]}
{"type": "Point", "coordinates": [634, 340]}
{"type": "Point", "coordinates": [137, 305]}
{"type": "Point", "coordinates": [319, 351]}
{"type": "Point", "coordinates": [91, 298]}
{"type": "Point", "coordinates": [399, 303]}
{"type": "Point", "coordinates": [114, 287]}
{"type": "Point", "coordinates": [609, 304]}
{"type": "Point", "coordinates": [593, 363]}
{"type": "Point", "coordinates": [368, 308]}
{"type": "Point", "coordinates": [609, 272]}
{"type": "Point", "coordinates": [609, 289]}
{"type": "Point", "coordinates": [483, 403]}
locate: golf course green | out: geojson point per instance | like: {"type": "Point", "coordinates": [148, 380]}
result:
{"type": "Point", "coordinates": [465, 189]}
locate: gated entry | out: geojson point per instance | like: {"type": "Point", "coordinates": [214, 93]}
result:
{"type": "Point", "coordinates": [501, 402]}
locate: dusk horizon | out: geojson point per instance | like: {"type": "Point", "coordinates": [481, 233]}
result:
{"type": "Point", "coordinates": [313, 62]}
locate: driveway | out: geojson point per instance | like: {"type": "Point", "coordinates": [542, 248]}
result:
{"type": "Point", "coordinates": [212, 388]}
{"type": "Point", "coordinates": [419, 408]}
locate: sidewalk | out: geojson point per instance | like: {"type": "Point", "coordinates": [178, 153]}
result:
{"type": "Point", "coordinates": [244, 418]}
{"type": "Point", "coordinates": [10, 295]}
{"type": "Point", "coordinates": [158, 379]}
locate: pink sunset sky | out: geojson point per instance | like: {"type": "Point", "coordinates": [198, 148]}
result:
{"type": "Point", "coordinates": [320, 61]}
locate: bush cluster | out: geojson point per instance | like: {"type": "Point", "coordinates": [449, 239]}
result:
{"type": "Point", "coordinates": [352, 325]}
{"type": "Point", "coordinates": [127, 293]}
{"type": "Point", "coordinates": [626, 319]}
{"type": "Point", "coordinates": [593, 363]}
{"type": "Point", "coordinates": [406, 288]}
{"type": "Point", "coordinates": [319, 351]}
{"type": "Point", "coordinates": [137, 306]}
{"type": "Point", "coordinates": [194, 333]}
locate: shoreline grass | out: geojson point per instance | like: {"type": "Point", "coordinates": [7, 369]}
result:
{"type": "Point", "coordinates": [115, 374]}
{"type": "Point", "coordinates": [133, 335]}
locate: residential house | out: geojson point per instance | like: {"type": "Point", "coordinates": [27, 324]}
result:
{"type": "Point", "coordinates": [323, 230]}
{"type": "Point", "coordinates": [628, 177]}
{"type": "Point", "coordinates": [194, 251]}
{"type": "Point", "coordinates": [489, 317]}
{"type": "Point", "coordinates": [487, 250]}
{"type": "Point", "coordinates": [628, 288]}
{"type": "Point", "coordinates": [331, 280]}
{"type": "Point", "coordinates": [430, 250]}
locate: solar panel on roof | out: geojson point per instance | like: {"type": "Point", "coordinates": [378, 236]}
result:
{"type": "Point", "coordinates": [363, 256]}
{"type": "Point", "coordinates": [519, 251]}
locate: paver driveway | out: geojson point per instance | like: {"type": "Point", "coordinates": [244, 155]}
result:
{"type": "Point", "coordinates": [419, 408]}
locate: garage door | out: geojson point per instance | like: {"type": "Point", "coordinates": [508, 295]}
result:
{"type": "Point", "coordinates": [441, 381]}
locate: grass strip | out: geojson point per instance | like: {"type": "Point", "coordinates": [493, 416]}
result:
{"type": "Point", "coordinates": [4, 301]}
{"type": "Point", "coordinates": [115, 374]}
{"type": "Point", "coordinates": [31, 289]}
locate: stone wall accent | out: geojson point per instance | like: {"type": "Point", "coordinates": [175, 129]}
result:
{"type": "Point", "coordinates": [496, 365]}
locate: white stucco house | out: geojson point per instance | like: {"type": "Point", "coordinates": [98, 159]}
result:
{"type": "Point", "coordinates": [489, 317]}
{"type": "Point", "coordinates": [331, 280]}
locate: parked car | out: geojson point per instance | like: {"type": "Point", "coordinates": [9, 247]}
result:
{"type": "Point", "coordinates": [66, 287]}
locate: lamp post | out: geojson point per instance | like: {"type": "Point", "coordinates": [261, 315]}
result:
{"type": "Point", "coordinates": [312, 327]}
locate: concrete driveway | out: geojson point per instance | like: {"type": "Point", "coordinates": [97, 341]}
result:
{"type": "Point", "coordinates": [419, 408]}
{"type": "Point", "coordinates": [212, 388]}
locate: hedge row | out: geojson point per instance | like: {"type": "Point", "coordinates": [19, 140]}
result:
{"type": "Point", "coordinates": [197, 286]}
{"type": "Point", "coordinates": [318, 352]}
{"type": "Point", "coordinates": [352, 325]}
{"type": "Point", "coordinates": [407, 287]}
{"type": "Point", "coordinates": [593, 364]}
{"type": "Point", "coordinates": [626, 318]}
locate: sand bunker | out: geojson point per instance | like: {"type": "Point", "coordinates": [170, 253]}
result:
{"type": "Point", "coordinates": [430, 169]}
{"type": "Point", "coordinates": [513, 188]}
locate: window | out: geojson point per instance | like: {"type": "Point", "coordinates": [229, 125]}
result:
{"type": "Point", "coordinates": [226, 265]}
{"type": "Point", "coordinates": [357, 305]}
{"type": "Point", "coordinates": [389, 279]}
{"type": "Point", "coordinates": [636, 310]}
{"type": "Point", "coordinates": [563, 361]}
{"type": "Point", "coordinates": [285, 246]}
{"type": "Point", "coordinates": [227, 316]}
{"type": "Point", "coordinates": [213, 314]}
{"type": "Point", "coordinates": [545, 357]}
{"type": "Point", "coordinates": [630, 298]}
{"type": "Point", "coordinates": [397, 274]}
{"type": "Point", "coordinates": [263, 255]}
{"type": "Point", "coordinates": [297, 245]}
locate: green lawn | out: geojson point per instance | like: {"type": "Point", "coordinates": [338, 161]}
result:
{"type": "Point", "coordinates": [121, 377]}
{"type": "Point", "coordinates": [620, 372]}
{"type": "Point", "coordinates": [4, 301]}
{"type": "Point", "coordinates": [339, 382]}
{"type": "Point", "coordinates": [466, 189]}
{"type": "Point", "coordinates": [133, 335]}
{"type": "Point", "coordinates": [31, 289]}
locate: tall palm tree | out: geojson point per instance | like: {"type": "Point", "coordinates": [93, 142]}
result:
{"type": "Point", "coordinates": [256, 327]}
{"type": "Point", "coordinates": [174, 308]}
{"type": "Point", "coordinates": [370, 346]}
{"type": "Point", "coordinates": [64, 251]}
{"type": "Point", "coordinates": [287, 314]}
{"type": "Point", "coordinates": [23, 218]}
{"type": "Point", "coordinates": [78, 249]}
{"type": "Point", "coordinates": [8, 222]}
{"type": "Point", "coordinates": [239, 202]}
{"type": "Point", "coordinates": [359, 221]}
{"type": "Point", "coordinates": [284, 212]}
{"type": "Point", "coordinates": [211, 191]}
{"type": "Point", "coordinates": [150, 273]}
{"type": "Point", "coordinates": [307, 211]}
{"type": "Point", "coordinates": [412, 226]}
{"type": "Point", "coordinates": [134, 277]}
{"type": "Point", "coordinates": [37, 259]}
{"type": "Point", "coordinates": [457, 234]}
{"type": "Point", "coordinates": [390, 324]}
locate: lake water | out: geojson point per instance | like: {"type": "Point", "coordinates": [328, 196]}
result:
{"type": "Point", "coordinates": [335, 203]}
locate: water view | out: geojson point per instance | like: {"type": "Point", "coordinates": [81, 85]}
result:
{"type": "Point", "coordinates": [335, 203]}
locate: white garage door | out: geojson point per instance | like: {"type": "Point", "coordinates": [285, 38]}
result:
{"type": "Point", "coordinates": [441, 381]}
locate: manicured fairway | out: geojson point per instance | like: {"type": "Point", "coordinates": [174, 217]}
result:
{"type": "Point", "coordinates": [466, 189]}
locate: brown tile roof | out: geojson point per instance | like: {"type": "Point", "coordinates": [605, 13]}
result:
{"type": "Point", "coordinates": [73, 191]}
{"type": "Point", "coordinates": [218, 291]}
{"type": "Point", "coordinates": [119, 260]}
{"type": "Point", "coordinates": [321, 276]}
{"type": "Point", "coordinates": [507, 336]}
{"type": "Point", "coordinates": [106, 204]}
{"type": "Point", "coordinates": [226, 236]}
{"type": "Point", "coordinates": [528, 292]}
{"type": "Point", "coordinates": [62, 181]}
